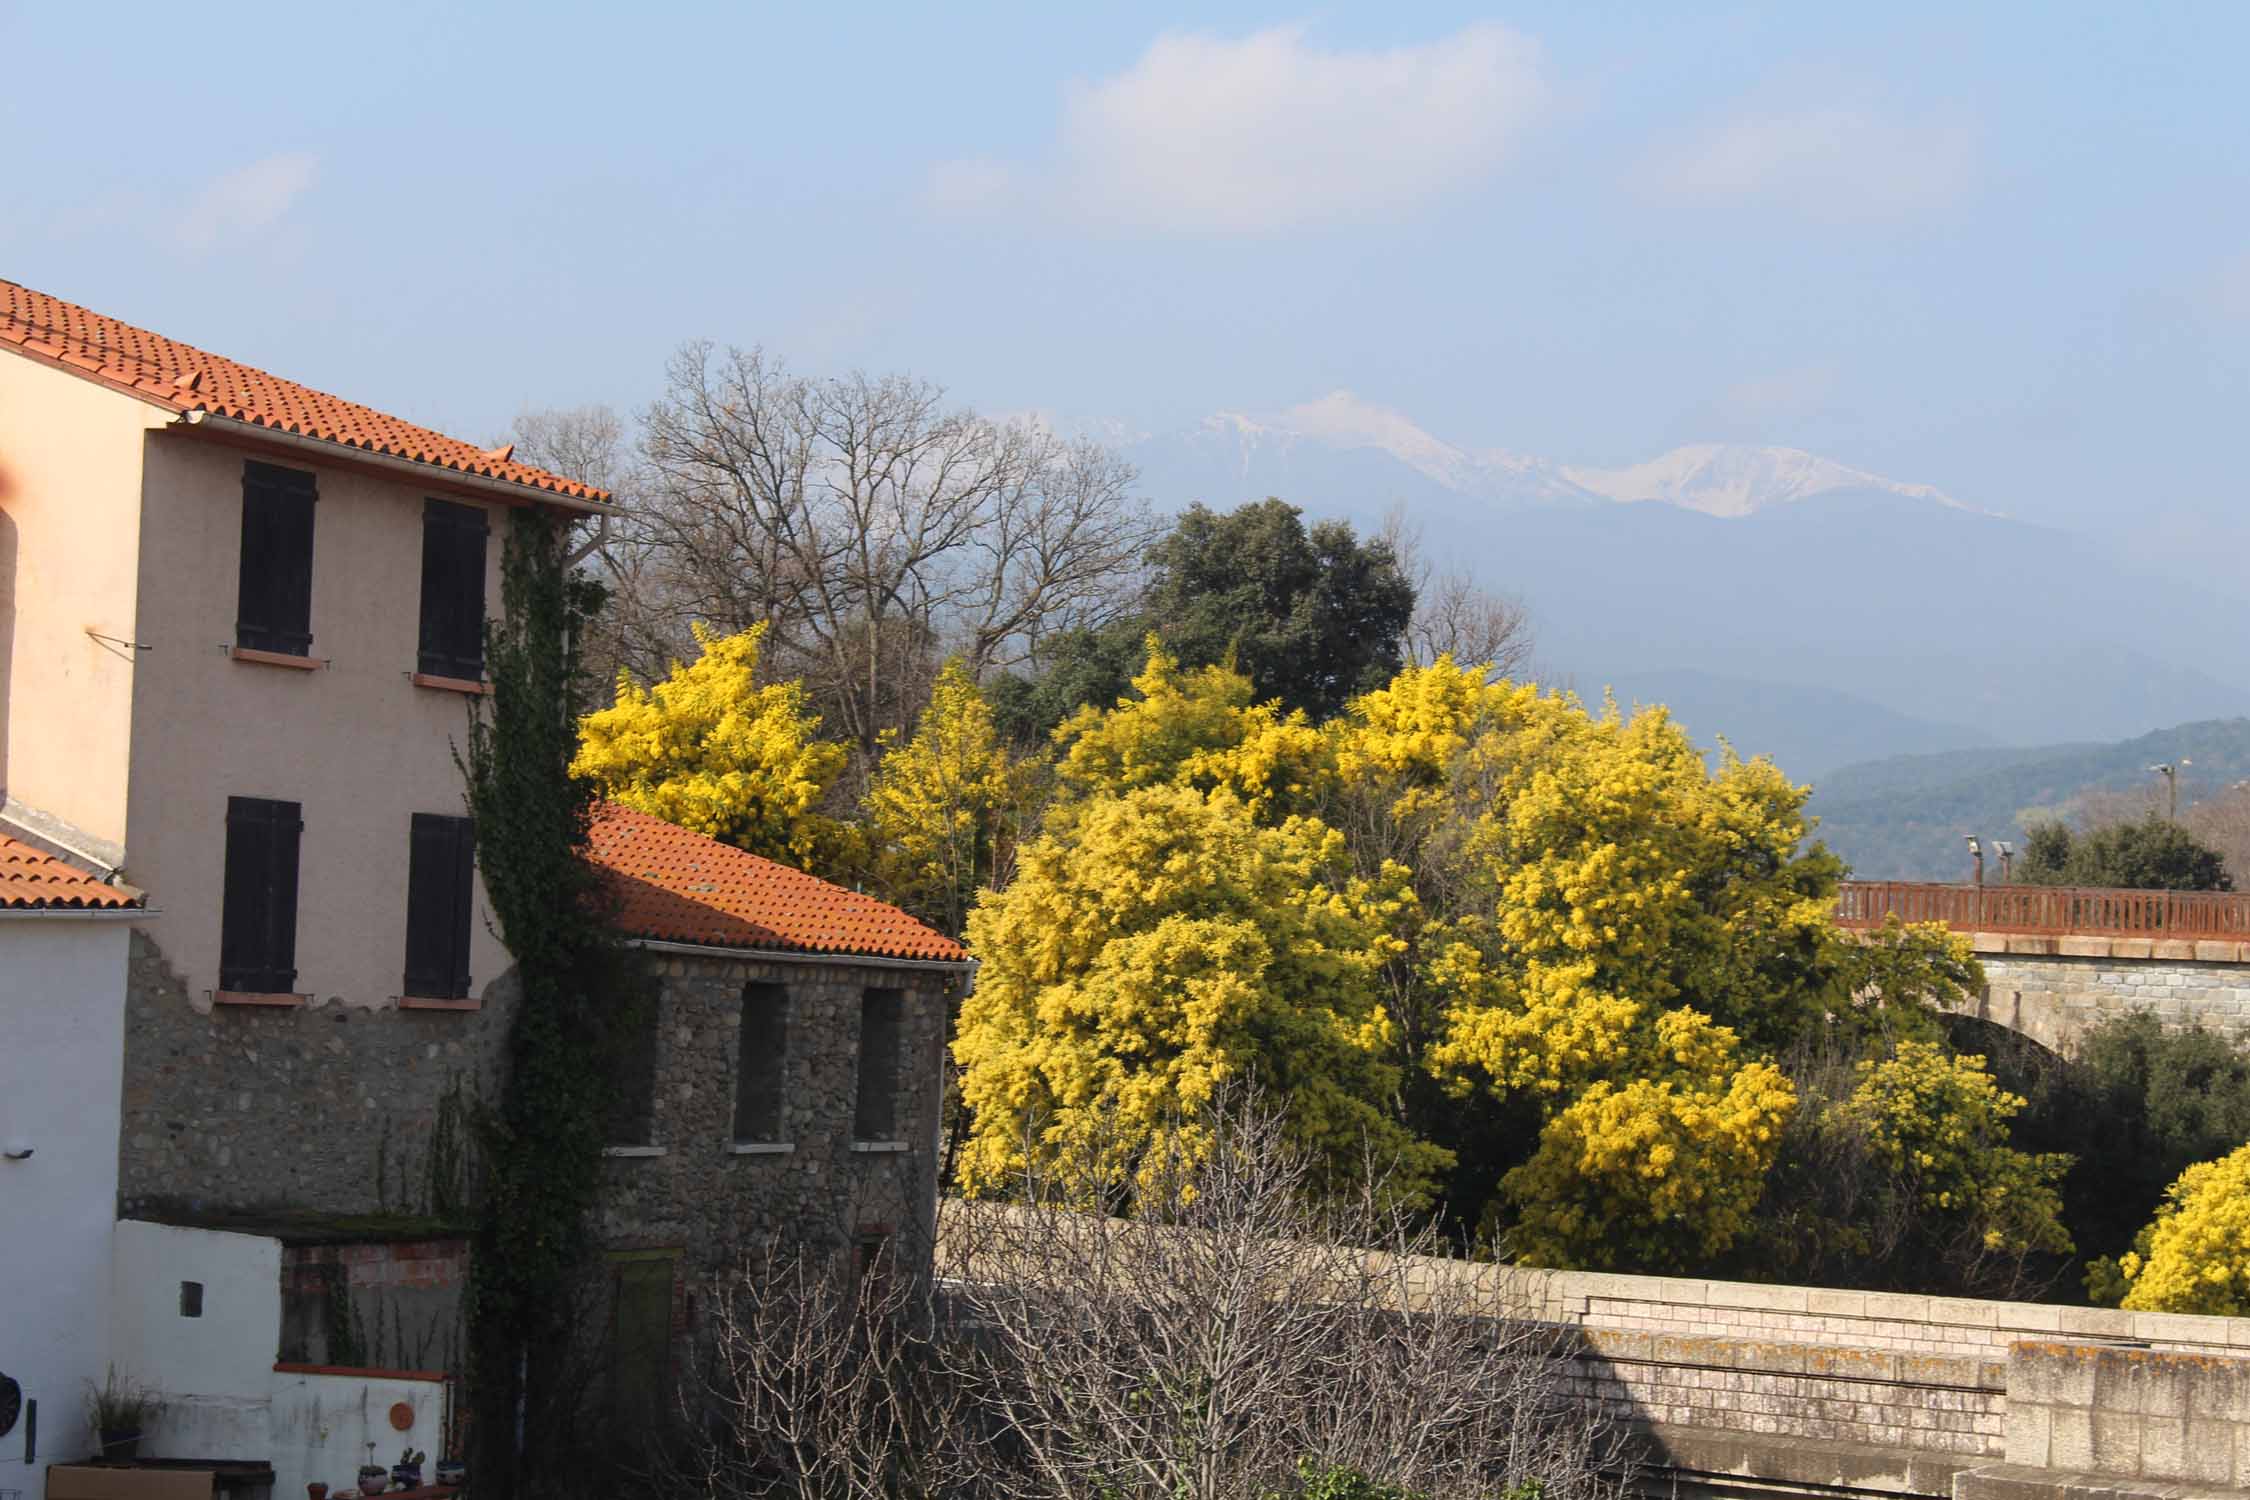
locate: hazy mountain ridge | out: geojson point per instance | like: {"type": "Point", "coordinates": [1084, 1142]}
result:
{"type": "Point", "coordinates": [1790, 577]}
{"type": "Point", "coordinates": [1903, 817]}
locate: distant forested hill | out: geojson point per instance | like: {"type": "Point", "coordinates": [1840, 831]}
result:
{"type": "Point", "coordinates": [1902, 818]}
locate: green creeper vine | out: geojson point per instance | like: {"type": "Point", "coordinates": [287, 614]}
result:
{"type": "Point", "coordinates": [540, 1146]}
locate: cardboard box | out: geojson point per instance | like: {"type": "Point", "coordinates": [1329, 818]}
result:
{"type": "Point", "coordinates": [117, 1482]}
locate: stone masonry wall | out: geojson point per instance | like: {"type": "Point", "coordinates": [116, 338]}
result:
{"type": "Point", "coordinates": [2055, 999]}
{"type": "Point", "coordinates": [323, 1113]}
{"type": "Point", "coordinates": [323, 1109]}
{"type": "Point", "coordinates": [695, 1189]}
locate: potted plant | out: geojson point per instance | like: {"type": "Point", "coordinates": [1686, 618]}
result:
{"type": "Point", "coordinates": [407, 1472]}
{"type": "Point", "coordinates": [373, 1477]}
{"type": "Point", "coordinates": [119, 1408]}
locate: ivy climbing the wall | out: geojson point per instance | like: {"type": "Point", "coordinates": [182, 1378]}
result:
{"type": "Point", "coordinates": [541, 1142]}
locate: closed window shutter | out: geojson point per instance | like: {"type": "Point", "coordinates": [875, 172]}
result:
{"type": "Point", "coordinates": [463, 891]}
{"type": "Point", "coordinates": [876, 1117]}
{"type": "Point", "coordinates": [761, 1063]}
{"type": "Point", "coordinates": [453, 540]}
{"type": "Point", "coordinates": [441, 870]}
{"type": "Point", "coordinates": [273, 610]}
{"type": "Point", "coordinates": [258, 918]}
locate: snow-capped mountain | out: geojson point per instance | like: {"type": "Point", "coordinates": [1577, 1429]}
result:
{"type": "Point", "coordinates": [1281, 452]}
{"type": "Point", "coordinates": [1797, 603]}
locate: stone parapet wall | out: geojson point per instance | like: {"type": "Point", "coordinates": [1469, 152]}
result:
{"type": "Point", "coordinates": [2132, 1414]}
{"type": "Point", "coordinates": [1876, 1391]}
{"type": "Point", "coordinates": [1868, 1322]}
{"type": "Point", "coordinates": [1930, 1404]}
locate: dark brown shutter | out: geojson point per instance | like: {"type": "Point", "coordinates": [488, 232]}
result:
{"type": "Point", "coordinates": [453, 538]}
{"type": "Point", "coordinates": [440, 886]}
{"type": "Point", "coordinates": [258, 918]}
{"type": "Point", "coordinates": [632, 1099]}
{"type": "Point", "coordinates": [273, 608]}
{"type": "Point", "coordinates": [761, 1063]}
{"type": "Point", "coordinates": [877, 1113]}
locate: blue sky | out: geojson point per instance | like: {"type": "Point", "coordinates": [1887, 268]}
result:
{"type": "Point", "coordinates": [2005, 251]}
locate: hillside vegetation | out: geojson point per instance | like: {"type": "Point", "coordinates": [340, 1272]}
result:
{"type": "Point", "coordinates": [1902, 818]}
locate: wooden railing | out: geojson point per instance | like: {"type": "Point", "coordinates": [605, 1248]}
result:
{"type": "Point", "coordinates": [2048, 910]}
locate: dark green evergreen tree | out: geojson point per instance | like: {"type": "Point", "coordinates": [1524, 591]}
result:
{"type": "Point", "coordinates": [2151, 854]}
{"type": "Point", "coordinates": [542, 1141]}
{"type": "Point", "coordinates": [1313, 616]}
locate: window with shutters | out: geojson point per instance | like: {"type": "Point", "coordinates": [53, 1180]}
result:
{"type": "Point", "coordinates": [876, 1114]}
{"type": "Point", "coordinates": [440, 887]}
{"type": "Point", "coordinates": [273, 609]}
{"type": "Point", "coordinates": [258, 922]}
{"type": "Point", "coordinates": [632, 1098]}
{"type": "Point", "coordinates": [453, 538]}
{"type": "Point", "coordinates": [762, 1063]}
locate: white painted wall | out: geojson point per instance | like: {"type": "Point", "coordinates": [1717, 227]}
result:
{"type": "Point", "coordinates": [62, 1045]}
{"type": "Point", "coordinates": [322, 1425]}
{"type": "Point", "coordinates": [214, 1373]}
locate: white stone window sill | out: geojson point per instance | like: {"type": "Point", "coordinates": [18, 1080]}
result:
{"type": "Point", "coordinates": [762, 1148]}
{"type": "Point", "coordinates": [871, 1146]}
{"type": "Point", "coordinates": [636, 1150]}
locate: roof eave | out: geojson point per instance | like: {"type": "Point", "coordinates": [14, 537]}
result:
{"type": "Point", "coordinates": [962, 965]}
{"type": "Point", "coordinates": [256, 434]}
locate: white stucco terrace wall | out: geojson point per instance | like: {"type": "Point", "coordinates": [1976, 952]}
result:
{"type": "Point", "coordinates": [223, 1395]}
{"type": "Point", "coordinates": [62, 1018]}
{"type": "Point", "coordinates": [213, 1372]}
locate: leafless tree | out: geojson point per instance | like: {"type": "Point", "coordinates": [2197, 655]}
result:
{"type": "Point", "coordinates": [1232, 1329]}
{"type": "Point", "coordinates": [638, 630]}
{"type": "Point", "coordinates": [821, 1384]}
{"type": "Point", "coordinates": [872, 528]}
{"type": "Point", "coordinates": [1454, 615]}
{"type": "Point", "coordinates": [2222, 821]}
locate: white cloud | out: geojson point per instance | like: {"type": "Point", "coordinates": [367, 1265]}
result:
{"type": "Point", "coordinates": [1838, 164]}
{"type": "Point", "coordinates": [247, 200]}
{"type": "Point", "coordinates": [1216, 135]}
{"type": "Point", "coordinates": [970, 185]}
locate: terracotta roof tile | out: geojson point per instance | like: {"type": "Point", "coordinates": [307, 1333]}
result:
{"type": "Point", "coordinates": [681, 887]}
{"type": "Point", "coordinates": [181, 377]}
{"type": "Point", "coordinates": [34, 880]}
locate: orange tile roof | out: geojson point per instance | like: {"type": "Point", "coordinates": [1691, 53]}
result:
{"type": "Point", "coordinates": [681, 887]}
{"type": "Point", "coordinates": [34, 880]}
{"type": "Point", "coordinates": [180, 377]}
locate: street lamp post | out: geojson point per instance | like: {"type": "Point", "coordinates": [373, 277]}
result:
{"type": "Point", "coordinates": [2171, 775]}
